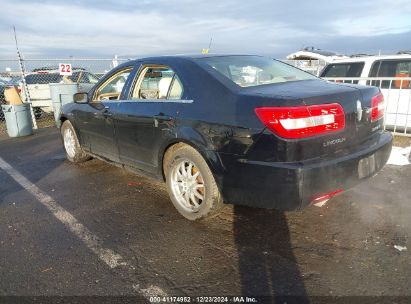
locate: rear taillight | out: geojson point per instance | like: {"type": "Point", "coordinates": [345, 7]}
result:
{"type": "Point", "coordinates": [377, 107]}
{"type": "Point", "coordinates": [304, 121]}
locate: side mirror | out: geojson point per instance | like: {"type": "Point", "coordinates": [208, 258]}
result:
{"type": "Point", "coordinates": [80, 97]}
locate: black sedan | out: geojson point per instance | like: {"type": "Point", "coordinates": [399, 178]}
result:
{"type": "Point", "coordinates": [244, 130]}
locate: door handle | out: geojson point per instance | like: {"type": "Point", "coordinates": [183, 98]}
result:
{"type": "Point", "coordinates": [160, 118]}
{"type": "Point", "coordinates": [106, 112]}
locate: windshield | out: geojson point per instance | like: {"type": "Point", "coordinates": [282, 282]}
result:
{"type": "Point", "coordinates": [249, 71]}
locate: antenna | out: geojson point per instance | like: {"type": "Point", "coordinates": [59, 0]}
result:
{"type": "Point", "coordinates": [26, 90]}
{"type": "Point", "coordinates": [207, 50]}
{"type": "Point", "coordinates": [209, 45]}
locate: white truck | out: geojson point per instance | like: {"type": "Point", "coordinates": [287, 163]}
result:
{"type": "Point", "coordinates": [391, 73]}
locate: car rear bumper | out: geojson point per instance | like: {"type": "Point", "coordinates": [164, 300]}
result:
{"type": "Point", "coordinates": [291, 186]}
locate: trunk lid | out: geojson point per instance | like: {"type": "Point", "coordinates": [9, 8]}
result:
{"type": "Point", "coordinates": [356, 102]}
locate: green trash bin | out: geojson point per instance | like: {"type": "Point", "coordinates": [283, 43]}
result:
{"type": "Point", "coordinates": [18, 120]}
{"type": "Point", "coordinates": [61, 93]}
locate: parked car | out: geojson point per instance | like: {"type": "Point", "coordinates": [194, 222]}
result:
{"type": "Point", "coordinates": [390, 73]}
{"type": "Point", "coordinates": [244, 130]}
{"type": "Point", "coordinates": [39, 89]}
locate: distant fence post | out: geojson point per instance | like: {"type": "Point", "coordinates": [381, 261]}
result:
{"type": "Point", "coordinates": [115, 61]}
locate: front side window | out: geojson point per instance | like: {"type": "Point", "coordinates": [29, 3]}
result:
{"type": "Point", "coordinates": [111, 88]}
{"type": "Point", "coordinates": [250, 71]}
{"type": "Point", "coordinates": [158, 83]}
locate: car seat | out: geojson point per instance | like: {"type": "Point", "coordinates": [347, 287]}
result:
{"type": "Point", "coordinates": [163, 86]}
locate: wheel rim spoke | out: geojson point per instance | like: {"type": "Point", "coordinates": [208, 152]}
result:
{"type": "Point", "coordinates": [187, 198]}
{"type": "Point", "coordinates": [190, 167]}
{"type": "Point", "coordinates": [198, 195]}
{"type": "Point", "coordinates": [193, 199]}
{"type": "Point", "coordinates": [183, 170]}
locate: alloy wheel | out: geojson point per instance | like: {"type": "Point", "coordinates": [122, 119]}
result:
{"type": "Point", "coordinates": [187, 185]}
{"type": "Point", "coordinates": [70, 142]}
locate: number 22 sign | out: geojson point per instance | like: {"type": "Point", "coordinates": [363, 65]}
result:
{"type": "Point", "coordinates": [65, 69]}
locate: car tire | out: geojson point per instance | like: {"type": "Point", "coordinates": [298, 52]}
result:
{"type": "Point", "coordinates": [190, 183]}
{"type": "Point", "coordinates": [74, 152]}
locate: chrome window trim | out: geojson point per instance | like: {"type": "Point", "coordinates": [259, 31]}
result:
{"type": "Point", "coordinates": [150, 101]}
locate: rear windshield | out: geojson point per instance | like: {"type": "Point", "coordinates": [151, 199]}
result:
{"type": "Point", "coordinates": [43, 78]}
{"type": "Point", "coordinates": [353, 69]}
{"type": "Point", "coordinates": [250, 71]}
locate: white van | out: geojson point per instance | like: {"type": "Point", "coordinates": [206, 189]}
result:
{"type": "Point", "coordinates": [392, 73]}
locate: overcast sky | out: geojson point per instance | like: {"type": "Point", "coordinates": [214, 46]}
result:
{"type": "Point", "coordinates": [144, 27]}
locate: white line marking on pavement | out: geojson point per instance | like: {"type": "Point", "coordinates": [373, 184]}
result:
{"type": "Point", "coordinates": [93, 242]}
{"type": "Point", "coordinates": [112, 259]}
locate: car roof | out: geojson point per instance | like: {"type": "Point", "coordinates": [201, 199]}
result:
{"type": "Point", "coordinates": [372, 58]}
{"type": "Point", "coordinates": [197, 56]}
{"type": "Point", "coordinates": [187, 57]}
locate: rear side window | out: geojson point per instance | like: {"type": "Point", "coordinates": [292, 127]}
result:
{"type": "Point", "coordinates": [176, 90]}
{"type": "Point", "coordinates": [158, 83]}
{"type": "Point", "coordinates": [250, 71]}
{"type": "Point", "coordinates": [392, 68]}
{"type": "Point", "coordinates": [353, 69]}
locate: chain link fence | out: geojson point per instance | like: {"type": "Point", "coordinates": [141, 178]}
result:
{"type": "Point", "coordinates": [40, 73]}
{"type": "Point", "coordinates": [397, 100]}
{"type": "Point", "coordinates": [311, 66]}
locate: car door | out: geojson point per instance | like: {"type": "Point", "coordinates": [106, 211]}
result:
{"type": "Point", "coordinates": [95, 119]}
{"type": "Point", "coordinates": [148, 116]}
